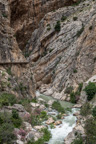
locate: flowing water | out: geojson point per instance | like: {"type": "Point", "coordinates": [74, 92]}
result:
{"type": "Point", "coordinates": [68, 123]}
{"type": "Point", "coordinates": [61, 131]}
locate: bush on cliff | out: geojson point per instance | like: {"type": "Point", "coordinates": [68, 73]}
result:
{"type": "Point", "coordinates": [90, 90]}
{"type": "Point", "coordinates": [58, 26]}
{"type": "Point", "coordinates": [7, 99]}
{"type": "Point", "coordinates": [6, 129]}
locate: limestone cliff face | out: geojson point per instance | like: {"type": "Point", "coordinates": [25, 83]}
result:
{"type": "Point", "coordinates": [26, 14]}
{"type": "Point", "coordinates": [55, 60]}
{"type": "Point", "coordinates": [65, 58]}
{"type": "Point", "coordinates": [9, 50]}
{"type": "Point", "coordinates": [13, 65]}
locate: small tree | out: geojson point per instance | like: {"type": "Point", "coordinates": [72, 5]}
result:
{"type": "Point", "coordinates": [58, 26]}
{"type": "Point", "coordinates": [90, 90]}
{"type": "Point", "coordinates": [17, 121]}
{"type": "Point", "coordinates": [90, 129]}
{"type": "Point", "coordinates": [73, 97]}
{"type": "Point", "coordinates": [6, 129]}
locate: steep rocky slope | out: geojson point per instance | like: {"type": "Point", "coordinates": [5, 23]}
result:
{"type": "Point", "coordinates": [65, 58]}
{"type": "Point", "coordinates": [13, 64]}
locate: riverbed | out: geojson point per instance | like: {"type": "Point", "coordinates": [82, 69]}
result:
{"type": "Point", "coordinates": [68, 123]}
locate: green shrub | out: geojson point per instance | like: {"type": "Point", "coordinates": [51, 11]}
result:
{"type": "Point", "coordinates": [73, 97]}
{"type": "Point", "coordinates": [90, 28]}
{"type": "Point", "coordinates": [6, 129]}
{"type": "Point", "coordinates": [80, 87]}
{"type": "Point", "coordinates": [58, 26]}
{"type": "Point", "coordinates": [43, 115]}
{"type": "Point", "coordinates": [46, 105]}
{"type": "Point", "coordinates": [59, 116]}
{"type": "Point", "coordinates": [80, 31]}
{"type": "Point", "coordinates": [57, 106]}
{"type": "Point", "coordinates": [78, 140]}
{"type": "Point", "coordinates": [22, 87]}
{"type": "Point", "coordinates": [16, 120]}
{"type": "Point", "coordinates": [63, 18]}
{"type": "Point", "coordinates": [9, 71]}
{"type": "Point", "coordinates": [52, 126]}
{"type": "Point", "coordinates": [86, 109]}
{"type": "Point", "coordinates": [35, 120]}
{"type": "Point", "coordinates": [45, 138]}
{"type": "Point", "coordinates": [7, 99]}
{"type": "Point", "coordinates": [90, 90]}
{"type": "Point", "coordinates": [69, 90]}
{"type": "Point", "coordinates": [74, 70]}
{"type": "Point", "coordinates": [94, 111]}
{"type": "Point", "coordinates": [6, 133]}
{"type": "Point", "coordinates": [47, 135]}
{"type": "Point", "coordinates": [75, 18]}
{"type": "Point", "coordinates": [90, 129]}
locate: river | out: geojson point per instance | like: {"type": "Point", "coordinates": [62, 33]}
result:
{"type": "Point", "coordinates": [68, 123]}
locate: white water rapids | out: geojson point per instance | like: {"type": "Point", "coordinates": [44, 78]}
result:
{"type": "Point", "coordinates": [68, 123]}
{"type": "Point", "coordinates": [61, 131]}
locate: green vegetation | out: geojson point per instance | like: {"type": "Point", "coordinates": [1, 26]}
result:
{"type": "Point", "coordinates": [4, 15]}
{"type": "Point", "coordinates": [22, 87]}
{"type": "Point", "coordinates": [48, 27]}
{"type": "Point", "coordinates": [52, 126]}
{"type": "Point", "coordinates": [90, 28]}
{"type": "Point", "coordinates": [16, 120]}
{"type": "Point", "coordinates": [90, 129]}
{"type": "Point", "coordinates": [78, 140]}
{"type": "Point", "coordinates": [59, 116]}
{"type": "Point", "coordinates": [80, 31]}
{"type": "Point", "coordinates": [43, 115]}
{"type": "Point", "coordinates": [75, 18]}
{"type": "Point", "coordinates": [63, 18]}
{"type": "Point", "coordinates": [94, 111]}
{"type": "Point", "coordinates": [69, 90]}
{"type": "Point", "coordinates": [73, 97]}
{"type": "Point", "coordinates": [57, 106]}
{"type": "Point", "coordinates": [58, 26]}
{"type": "Point", "coordinates": [80, 87]}
{"type": "Point", "coordinates": [7, 99]}
{"type": "Point", "coordinates": [45, 138]}
{"type": "Point", "coordinates": [6, 129]}
{"type": "Point", "coordinates": [74, 71]}
{"type": "Point", "coordinates": [90, 90]}
{"type": "Point", "coordinates": [86, 109]}
{"type": "Point", "coordinates": [9, 71]}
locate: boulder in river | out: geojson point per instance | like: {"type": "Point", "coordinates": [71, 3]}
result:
{"type": "Point", "coordinates": [77, 113]}
{"type": "Point", "coordinates": [35, 105]}
{"type": "Point", "coordinates": [50, 121]}
{"type": "Point", "coordinates": [58, 123]}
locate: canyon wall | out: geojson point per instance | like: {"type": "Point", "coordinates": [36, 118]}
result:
{"type": "Point", "coordinates": [65, 58]}
{"type": "Point", "coordinates": [26, 15]}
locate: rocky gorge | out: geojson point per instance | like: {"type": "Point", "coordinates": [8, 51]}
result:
{"type": "Point", "coordinates": [47, 69]}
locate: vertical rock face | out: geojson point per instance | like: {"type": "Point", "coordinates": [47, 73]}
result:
{"type": "Point", "coordinates": [9, 50]}
{"type": "Point", "coordinates": [26, 14]}
{"type": "Point", "coordinates": [13, 64]}
{"type": "Point", "coordinates": [65, 58]}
